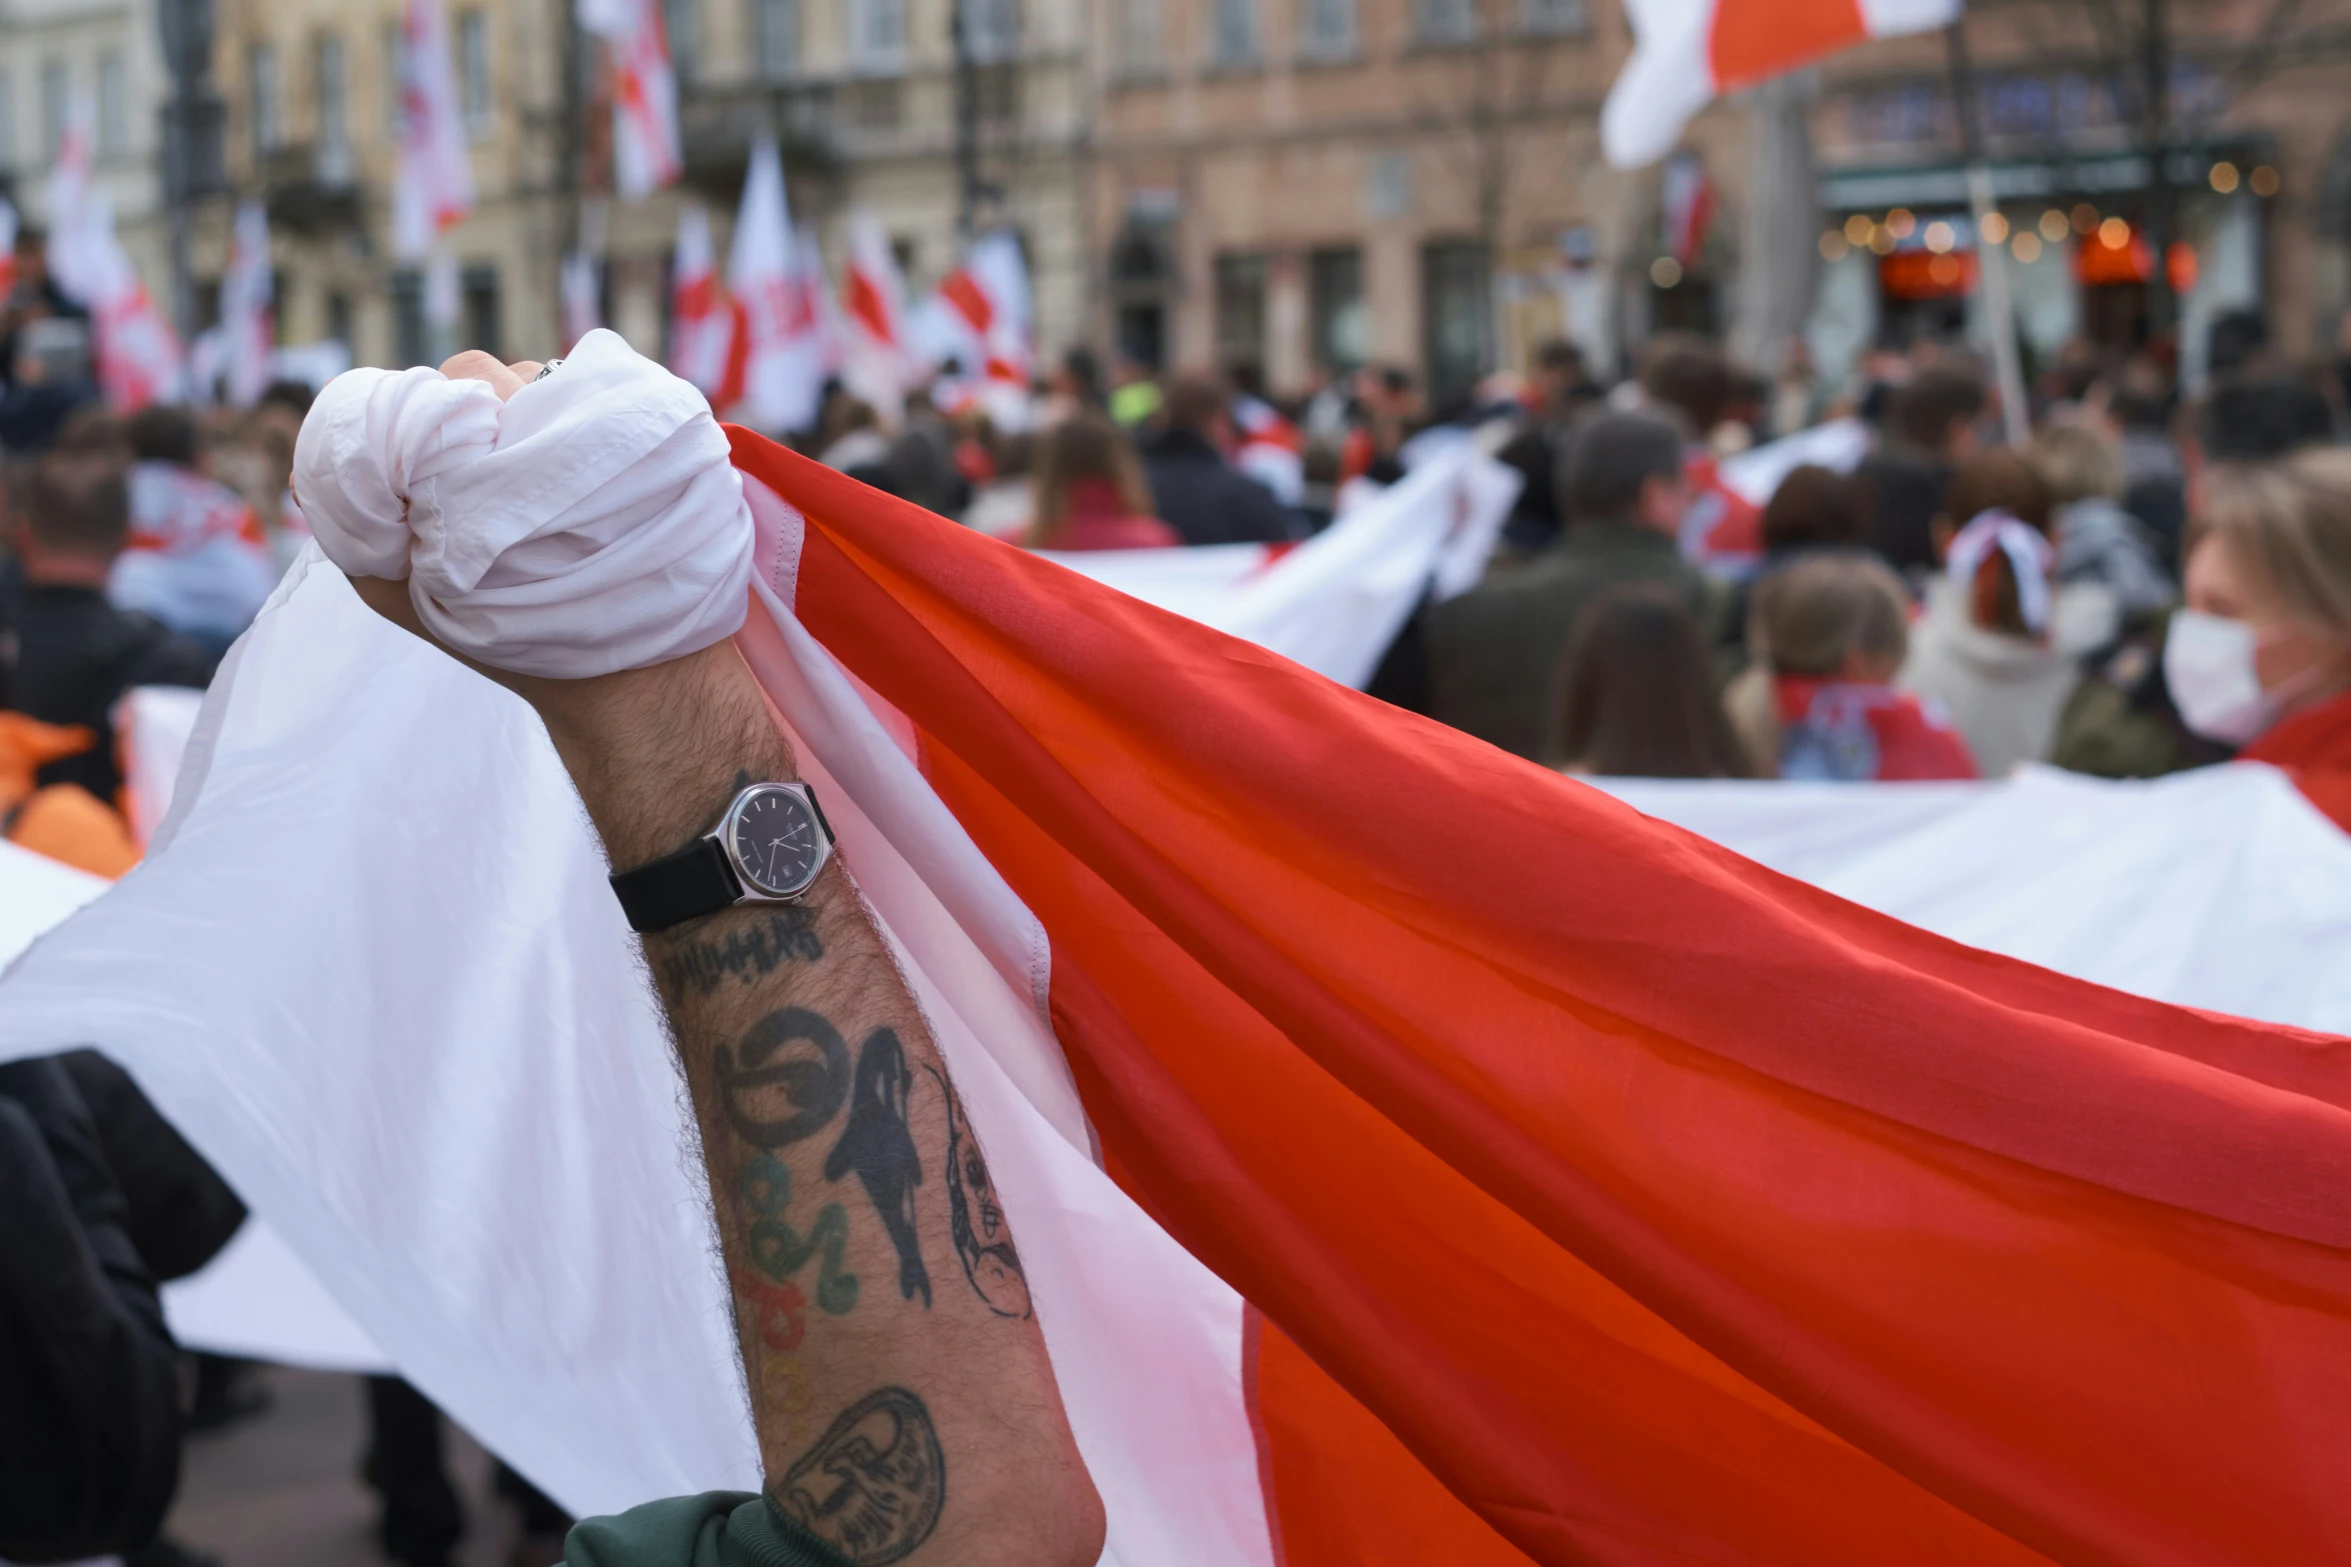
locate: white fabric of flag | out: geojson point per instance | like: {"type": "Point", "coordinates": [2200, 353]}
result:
{"type": "Point", "coordinates": [139, 358]}
{"type": "Point", "coordinates": [783, 371]}
{"type": "Point", "coordinates": [646, 151]}
{"type": "Point", "coordinates": [701, 325]}
{"type": "Point", "coordinates": [245, 289]}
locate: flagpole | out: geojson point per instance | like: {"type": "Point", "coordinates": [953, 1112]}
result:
{"type": "Point", "coordinates": [1991, 259]}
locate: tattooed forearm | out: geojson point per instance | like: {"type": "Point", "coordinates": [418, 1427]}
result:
{"type": "Point", "coordinates": [880, 1150]}
{"type": "Point", "coordinates": [744, 954]}
{"type": "Point", "coordinates": [975, 1219]}
{"type": "Point", "coordinates": [874, 1484]}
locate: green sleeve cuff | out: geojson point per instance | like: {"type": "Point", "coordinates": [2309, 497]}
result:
{"type": "Point", "coordinates": [715, 1529]}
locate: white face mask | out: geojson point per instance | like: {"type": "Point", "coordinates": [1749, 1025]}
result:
{"type": "Point", "coordinates": [2208, 663]}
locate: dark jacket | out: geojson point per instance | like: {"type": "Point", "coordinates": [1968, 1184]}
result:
{"type": "Point", "coordinates": [1902, 494]}
{"type": "Point", "coordinates": [74, 656]}
{"type": "Point", "coordinates": [89, 1379]}
{"type": "Point", "coordinates": [1494, 652]}
{"type": "Point", "coordinates": [1206, 499]}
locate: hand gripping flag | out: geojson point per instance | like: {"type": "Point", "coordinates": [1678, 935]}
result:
{"type": "Point", "coordinates": [1687, 52]}
{"type": "Point", "coordinates": [1418, 1155]}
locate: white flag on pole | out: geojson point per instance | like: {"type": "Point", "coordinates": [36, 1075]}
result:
{"type": "Point", "coordinates": [245, 289]}
{"type": "Point", "coordinates": [701, 322]}
{"type": "Point", "coordinates": [432, 185]}
{"type": "Point", "coordinates": [783, 370]}
{"type": "Point", "coordinates": [646, 154]}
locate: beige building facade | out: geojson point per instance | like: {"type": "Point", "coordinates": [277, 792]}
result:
{"type": "Point", "coordinates": [1307, 185]}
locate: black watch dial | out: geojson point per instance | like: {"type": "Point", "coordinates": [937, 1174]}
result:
{"type": "Point", "coordinates": [776, 843]}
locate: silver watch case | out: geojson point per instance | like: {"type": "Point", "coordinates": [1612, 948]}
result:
{"type": "Point", "coordinates": [752, 888]}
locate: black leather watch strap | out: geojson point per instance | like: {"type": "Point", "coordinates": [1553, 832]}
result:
{"type": "Point", "coordinates": [695, 881]}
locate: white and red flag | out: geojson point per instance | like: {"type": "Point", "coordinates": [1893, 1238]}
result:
{"type": "Point", "coordinates": [247, 335]}
{"type": "Point", "coordinates": [139, 357]}
{"type": "Point", "coordinates": [978, 319]}
{"type": "Point", "coordinates": [432, 180]}
{"type": "Point", "coordinates": [776, 336]}
{"type": "Point", "coordinates": [1688, 52]}
{"type": "Point", "coordinates": [877, 358]}
{"type": "Point", "coordinates": [701, 322]}
{"type": "Point", "coordinates": [1688, 207]}
{"type": "Point", "coordinates": [646, 153]}
{"type": "Point", "coordinates": [1416, 1155]}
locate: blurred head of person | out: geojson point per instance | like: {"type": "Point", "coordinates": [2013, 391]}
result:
{"type": "Point", "coordinates": [1841, 617]}
{"type": "Point", "coordinates": [1636, 693]}
{"type": "Point", "coordinates": [69, 516]}
{"type": "Point", "coordinates": [2267, 628]}
{"type": "Point", "coordinates": [1079, 377]}
{"type": "Point", "coordinates": [1561, 380]}
{"type": "Point", "coordinates": [2258, 417]}
{"type": "Point", "coordinates": [2141, 397]}
{"type": "Point", "coordinates": [1196, 406]}
{"type": "Point", "coordinates": [1814, 508]}
{"type": "Point", "coordinates": [1995, 536]}
{"type": "Point", "coordinates": [167, 433]}
{"type": "Point", "coordinates": [2077, 461]}
{"type": "Point", "coordinates": [1934, 414]}
{"type": "Point", "coordinates": [1625, 467]}
{"type": "Point", "coordinates": [1085, 469]}
{"type": "Point", "coordinates": [1692, 377]}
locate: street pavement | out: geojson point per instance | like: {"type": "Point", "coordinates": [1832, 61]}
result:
{"type": "Point", "coordinates": [282, 1489]}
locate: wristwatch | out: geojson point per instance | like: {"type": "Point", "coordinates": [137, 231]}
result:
{"type": "Point", "coordinates": [768, 847]}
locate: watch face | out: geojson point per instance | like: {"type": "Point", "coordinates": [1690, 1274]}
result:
{"type": "Point", "coordinates": [775, 842]}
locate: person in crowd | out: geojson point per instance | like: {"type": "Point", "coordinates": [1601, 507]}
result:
{"type": "Point", "coordinates": [1135, 394]}
{"type": "Point", "coordinates": [1270, 447]}
{"type": "Point", "coordinates": [1999, 642]}
{"type": "Point", "coordinates": [2139, 400]}
{"type": "Point", "coordinates": [71, 653]}
{"type": "Point", "coordinates": [1494, 652]}
{"type": "Point", "coordinates": [198, 559]}
{"type": "Point", "coordinates": [2261, 655]}
{"type": "Point", "coordinates": [33, 295]}
{"type": "Point", "coordinates": [921, 460]}
{"type": "Point", "coordinates": [1075, 386]}
{"type": "Point", "coordinates": [1799, 399]}
{"type": "Point", "coordinates": [1930, 427]}
{"type": "Point", "coordinates": [2099, 543]}
{"type": "Point", "coordinates": [1836, 630]}
{"type": "Point", "coordinates": [1090, 493]}
{"type": "Point", "coordinates": [2121, 721]}
{"type": "Point", "coordinates": [1194, 489]}
{"type": "Point", "coordinates": [1636, 693]}
{"type": "Point", "coordinates": [1562, 390]}
{"type": "Point", "coordinates": [1813, 509]}
{"type": "Point", "coordinates": [89, 1377]}
{"type": "Point", "coordinates": [854, 443]}
{"type": "Point", "coordinates": [1691, 378]}
{"type": "Point", "coordinates": [1387, 412]}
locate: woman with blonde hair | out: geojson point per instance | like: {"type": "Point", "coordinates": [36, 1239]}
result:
{"type": "Point", "coordinates": [1089, 491]}
{"type": "Point", "coordinates": [2261, 655]}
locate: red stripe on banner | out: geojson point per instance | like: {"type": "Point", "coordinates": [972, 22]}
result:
{"type": "Point", "coordinates": [959, 290]}
{"type": "Point", "coordinates": [865, 302]}
{"type": "Point", "coordinates": [1658, 1206]}
{"type": "Point", "coordinates": [1755, 39]}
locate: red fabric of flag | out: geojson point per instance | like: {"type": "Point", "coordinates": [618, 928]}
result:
{"type": "Point", "coordinates": [1606, 1196]}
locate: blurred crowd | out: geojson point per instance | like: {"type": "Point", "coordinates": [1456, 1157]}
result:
{"type": "Point", "coordinates": [2148, 583]}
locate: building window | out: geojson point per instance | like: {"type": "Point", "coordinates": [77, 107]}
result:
{"type": "Point", "coordinates": [779, 38]}
{"type": "Point", "coordinates": [55, 89]}
{"type": "Point", "coordinates": [877, 35]}
{"type": "Point", "coordinates": [993, 28]}
{"type": "Point", "coordinates": [339, 317]}
{"type": "Point", "coordinates": [1327, 29]}
{"type": "Point", "coordinates": [334, 112]}
{"type": "Point", "coordinates": [1339, 323]}
{"type": "Point", "coordinates": [681, 21]}
{"type": "Point", "coordinates": [410, 341]}
{"type": "Point", "coordinates": [1444, 21]}
{"type": "Point", "coordinates": [7, 119]}
{"type": "Point", "coordinates": [1142, 38]}
{"type": "Point", "coordinates": [1233, 32]}
{"type": "Point", "coordinates": [1554, 16]}
{"type": "Point", "coordinates": [477, 312]}
{"type": "Point", "coordinates": [114, 105]}
{"type": "Point", "coordinates": [1457, 317]}
{"type": "Point", "coordinates": [1240, 310]}
{"type": "Point", "coordinates": [261, 99]}
{"type": "Point", "coordinates": [474, 97]}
